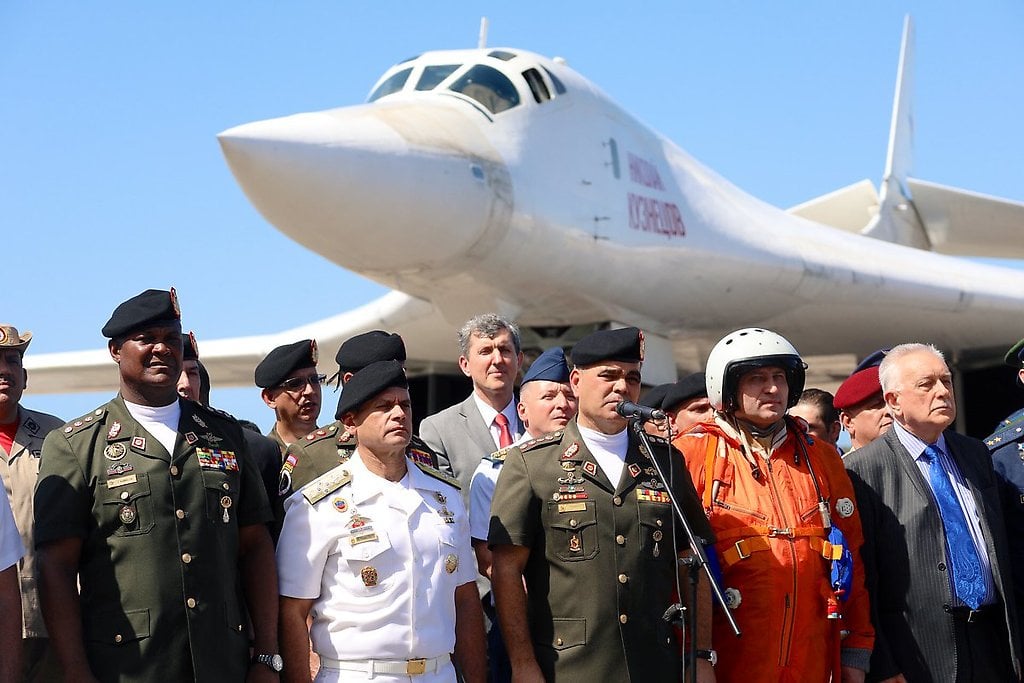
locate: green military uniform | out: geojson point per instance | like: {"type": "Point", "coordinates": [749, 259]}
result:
{"type": "Point", "coordinates": [589, 540]}
{"type": "Point", "coordinates": [276, 438]}
{"type": "Point", "coordinates": [160, 592]}
{"type": "Point", "coordinates": [321, 451]}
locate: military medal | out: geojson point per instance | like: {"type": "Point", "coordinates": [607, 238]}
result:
{"type": "Point", "coordinates": [369, 576]}
{"type": "Point", "coordinates": [568, 466]}
{"type": "Point", "coordinates": [119, 468]}
{"type": "Point", "coordinates": [451, 562]}
{"type": "Point", "coordinates": [340, 504]}
{"type": "Point", "coordinates": [441, 498]}
{"type": "Point", "coordinates": [225, 502]}
{"type": "Point", "coordinates": [127, 514]}
{"type": "Point", "coordinates": [115, 429]}
{"type": "Point", "coordinates": [114, 451]}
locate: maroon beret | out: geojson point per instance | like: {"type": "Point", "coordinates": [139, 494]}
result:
{"type": "Point", "coordinates": [858, 387]}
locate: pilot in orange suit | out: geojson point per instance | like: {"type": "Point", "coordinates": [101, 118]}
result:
{"type": "Point", "coordinates": [784, 515]}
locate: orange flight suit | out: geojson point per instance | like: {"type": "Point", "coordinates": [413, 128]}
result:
{"type": "Point", "coordinates": [772, 546]}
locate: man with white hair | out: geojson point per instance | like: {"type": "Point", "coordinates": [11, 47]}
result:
{"type": "Point", "coordinates": [935, 550]}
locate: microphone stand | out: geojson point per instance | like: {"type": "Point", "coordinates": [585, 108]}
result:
{"type": "Point", "coordinates": [697, 560]}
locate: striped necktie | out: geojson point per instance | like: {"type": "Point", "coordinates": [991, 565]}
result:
{"type": "Point", "coordinates": [964, 562]}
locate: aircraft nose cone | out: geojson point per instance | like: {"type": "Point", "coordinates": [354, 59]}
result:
{"type": "Point", "coordinates": [374, 189]}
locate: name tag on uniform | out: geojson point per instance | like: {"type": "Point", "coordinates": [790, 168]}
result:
{"type": "Point", "coordinates": [121, 481]}
{"type": "Point", "coordinates": [216, 459]}
{"type": "Point", "coordinates": [572, 507]}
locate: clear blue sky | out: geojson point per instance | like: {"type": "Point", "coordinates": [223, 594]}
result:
{"type": "Point", "coordinates": [112, 181]}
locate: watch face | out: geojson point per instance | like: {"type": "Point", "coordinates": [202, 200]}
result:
{"type": "Point", "coordinates": [276, 663]}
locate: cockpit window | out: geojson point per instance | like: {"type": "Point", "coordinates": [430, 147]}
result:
{"type": "Point", "coordinates": [489, 87]}
{"type": "Point", "coordinates": [503, 55]}
{"type": "Point", "coordinates": [432, 75]}
{"type": "Point", "coordinates": [393, 84]}
{"type": "Point", "coordinates": [537, 87]}
{"type": "Point", "coordinates": [559, 86]}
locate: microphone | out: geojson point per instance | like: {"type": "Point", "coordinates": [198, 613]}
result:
{"type": "Point", "coordinates": [630, 410]}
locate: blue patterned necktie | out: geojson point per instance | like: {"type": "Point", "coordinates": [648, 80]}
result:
{"type": "Point", "coordinates": [968, 582]}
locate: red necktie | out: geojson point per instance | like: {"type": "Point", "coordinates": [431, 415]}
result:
{"type": "Point", "coordinates": [504, 435]}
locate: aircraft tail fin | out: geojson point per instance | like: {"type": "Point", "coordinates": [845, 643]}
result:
{"type": "Point", "coordinates": [897, 220]}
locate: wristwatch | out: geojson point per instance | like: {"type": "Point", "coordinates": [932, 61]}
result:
{"type": "Point", "coordinates": [710, 655]}
{"type": "Point", "coordinates": [273, 661]}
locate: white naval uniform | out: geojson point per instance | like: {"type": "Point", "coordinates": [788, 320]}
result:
{"type": "Point", "coordinates": [383, 589]}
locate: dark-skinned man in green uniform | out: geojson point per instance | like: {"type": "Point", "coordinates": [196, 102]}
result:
{"type": "Point", "coordinates": [151, 505]}
{"type": "Point", "coordinates": [321, 450]}
{"type": "Point", "coordinates": [581, 535]}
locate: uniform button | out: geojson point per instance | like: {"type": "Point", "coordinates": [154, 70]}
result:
{"type": "Point", "coordinates": [226, 486]}
{"type": "Point", "coordinates": [191, 602]}
{"type": "Point", "coordinates": [620, 539]}
{"type": "Point", "coordinates": [623, 618]}
{"type": "Point", "coordinates": [657, 535]}
{"type": "Point", "coordinates": [573, 523]}
{"type": "Point", "coordinates": [942, 566]}
{"type": "Point", "coordinates": [616, 501]}
{"type": "Point", "coordinates": [623, 578]}
{"type": "Point", "coordinates": [659, 522]}
{"type": "Point", "coordinates": [180, 514]}
{"type": "Point", "coordinates": [124, 495]}
{"type": "Point", "coordinates": [558, 641]}
{"type": "Point", "coordinates": [186, 558]}
{"type": "Point", "coordinates": [174, 470]}
{"type": "Point", "coordinates": [118, 638]}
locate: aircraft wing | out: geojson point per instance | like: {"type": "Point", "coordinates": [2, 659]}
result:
{"type": "Point", "coordinates": [431, 345]}
{"type": "Point", "coordinates": [963, 223]}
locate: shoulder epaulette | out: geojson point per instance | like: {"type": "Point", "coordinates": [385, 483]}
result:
{"type": "Point", "coordinates": [326, 483]}
{"type": "Point", "coordinates": [210, 410]}
{"type": "Point", "coordinates": [87, 420]}
{"type": "Point", "coordinates": [439, 475]}
{"type": "Point", "coordinates": [549, 438]}
{"type": "Point", "coordinates": [499, 455]}
{"type": "Point", "coordinates": [322, 433]}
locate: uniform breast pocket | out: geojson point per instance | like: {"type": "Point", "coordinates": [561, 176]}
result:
{"type": "Point", "coordinates": [221, 495]}
{"type": "Point", "coordinates": [369, 566]}
{"type": "Point", "coordinates": [127, 505]}
{"type": "Point", "coordinates": [573, 530]}
{"type": "Point", "coordinates": [655, 528]}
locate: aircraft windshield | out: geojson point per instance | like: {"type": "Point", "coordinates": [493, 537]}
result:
{"type": "Point", "coordinates": [489, 87]}
{"type": "Point", "coordinates": [432, 75]}
{"type": "Point", "coordinates": [393, 84]}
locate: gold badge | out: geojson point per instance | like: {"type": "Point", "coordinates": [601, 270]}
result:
{"type": "Point", "coordinates": [451, 563]}
{"type": "Point", "coordinates": [313, 353]}
{"type": "Point", "coordinates": [115, 429]}
{"type": "Point", "coordinates": [127, 514]}
{"type": "Point", "coordinates": [574, 543]}
{"type": "Point", "coordinates": [114, 451]}
{"type": "Point", "coordinates": [174, 304]}
{"type": "Point", "coordinates": [369, 576]}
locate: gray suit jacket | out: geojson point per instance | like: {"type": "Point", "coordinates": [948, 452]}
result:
{"type": "Point", "coordinates": [461, 440]}
{"type": "Point", "coordinates": [905, 562]}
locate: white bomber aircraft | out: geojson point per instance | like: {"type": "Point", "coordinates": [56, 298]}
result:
{"type": "Point", "coordinates": [501, 180]}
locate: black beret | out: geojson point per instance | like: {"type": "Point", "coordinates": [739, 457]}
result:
{"type": "Point", "coordinates": [368, 382]}
{"type": "Point", "coordinates": [691, 386]}
{"type": "Point", "coordinates": [1015, 356]}
{"type": "Point", "coordinates": [655, 395]}
{"type": "Point", "coordinates": [283, 361]}
{"type": "Point", "coordinates": [152, 307]}
{"type": "Point", "coordinates": [361, 350]}
{"type": "Point", "coordinates": [191, 347]}
{"type": "Point", "coordinates": [549, 366]}
{"type": "Point", "coordinates": [626, 345]}
{"type": "Point", "coordinates": [872, 361]}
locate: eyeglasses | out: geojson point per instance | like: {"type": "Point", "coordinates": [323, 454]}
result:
{"type": "Point", "coordinates": [299, 383]}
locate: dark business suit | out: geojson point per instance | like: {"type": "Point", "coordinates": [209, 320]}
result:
{"type": "Point", "coordinates": [905, 567]}
{"type": "Point", "coordinates": [461, 440]}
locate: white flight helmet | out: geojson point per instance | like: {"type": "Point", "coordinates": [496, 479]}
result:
{"type": "Point", "coordinates": [744, 350]}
